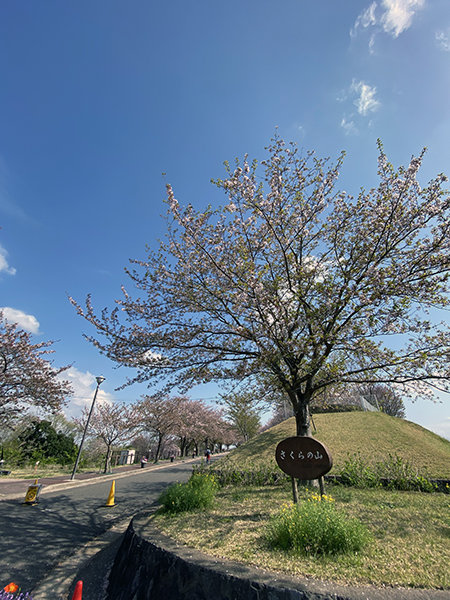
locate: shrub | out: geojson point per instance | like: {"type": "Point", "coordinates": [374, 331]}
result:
{"type": "Point", "coordinates": [394, 473]}
{"type": "Point", "coordinates": [260, 476]}
{"type": "Point", "coordinates": [357, 473]}
{"type": "Point", "coordinates": [315, 527]}
{"type": "Point", "coordinates": [197, 493]}
{"type": "Point", "coordinates": [401, 475]}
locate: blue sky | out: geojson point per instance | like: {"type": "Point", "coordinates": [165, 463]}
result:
{"type": "Point", "coordinates": [98, 99]}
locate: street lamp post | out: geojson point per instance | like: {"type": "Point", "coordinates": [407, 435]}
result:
{"type": "Point", "coordinates": [99, 380]}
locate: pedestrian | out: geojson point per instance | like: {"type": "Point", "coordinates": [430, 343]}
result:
{"type": "Point", "coordinates": [143, 461]}
{"type": "Point", "coordinates": [208, 455]}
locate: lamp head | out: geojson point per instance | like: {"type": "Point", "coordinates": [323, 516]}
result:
{"type": "Point", "coordinates": [99, 379]}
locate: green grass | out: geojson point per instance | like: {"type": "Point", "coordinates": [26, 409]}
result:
{"type": "Point", "coordinates": [49, 471]}
{"type": "Point", "coordinates": [374, 435]}
{"type": "Point", "coordinates": [409, 531]}
{"type": "Point", "coordinates": [410, 535]}
{"type": "Point", "coordinates": [197, 493]}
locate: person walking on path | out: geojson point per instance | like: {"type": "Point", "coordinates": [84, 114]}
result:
{"type": "Point", "coordinates": [143, 461]}
{"type": "Point", "coordinates": [208, 455]}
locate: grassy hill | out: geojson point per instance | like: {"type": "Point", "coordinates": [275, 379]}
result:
{"type": "Point", "coordinates": [374, 435]}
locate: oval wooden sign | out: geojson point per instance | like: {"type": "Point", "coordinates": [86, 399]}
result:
{"type": "Point", "coordinates": [303, 457]}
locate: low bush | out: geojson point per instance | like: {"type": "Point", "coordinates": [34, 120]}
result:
{"type": "Point", "coordinates": [314, 526]}
{"type": "Point", "coordinates": [243, 477]}
{"type": "Point", "coordinates": [356, 472]}
{"type": "Point", "coordinates": [393, 473]}
{"type": "Point", "coordinates": [197, 493]}
{"type": "Point", "coordinates": [401, 475]}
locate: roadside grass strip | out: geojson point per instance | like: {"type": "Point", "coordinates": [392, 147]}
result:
{"type": "Point", "coordinates": [405, 535]}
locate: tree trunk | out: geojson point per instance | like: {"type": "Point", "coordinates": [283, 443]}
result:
{"type": "Point", "coordinates": [303, 423]}
{"type": "Point", "coordinates": [158, 448]}
{"type": "Point", "coordinates": [302, 418]}
{"type": "Point", "coordinates": [107, 468]}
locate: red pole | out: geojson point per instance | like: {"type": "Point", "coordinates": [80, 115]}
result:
{"type": "Point", "coordinates": [78, 593]}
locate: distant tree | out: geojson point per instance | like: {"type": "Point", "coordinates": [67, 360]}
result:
{"type": "Point", "coordinates": [62, 424]}
{"type": "Point", "coordinates": [293, 280]}
{"type": "Point", "coordinates": [113, 424]}
{"type": "Point", "coordinates": [27, 379]}
{"type": "Point", "coordinates": [281, 412]}
{"type": "Point", "coordinates": [384, 398]}
{"type": "Point", "coordinates": [191, 425]}
{"type": "Point", "coordinates": [159, 416]}
{"type": "Point", "coordinates": [41, 441]}
{"type": "Point", "coordinates": [241, 412]}
{"type": "Point", "coordinates": [143, 444]}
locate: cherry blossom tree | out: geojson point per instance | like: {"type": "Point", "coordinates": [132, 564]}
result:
{"type": "Point", "coordinates": [292, 280]}
{"type": "Point", "coordinates": [27, 379]}
{"type": "Point", "coordinates": [192, 424]}
{"type": "Point", "coordinates": [159, 415]}
{"type": "Point", "coordinates": [113, 423]}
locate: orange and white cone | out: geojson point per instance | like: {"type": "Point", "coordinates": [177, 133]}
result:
{"type": "Point", "coordinates": [110, 501]}
{"type": "Point", "coordinates": [78, 593]}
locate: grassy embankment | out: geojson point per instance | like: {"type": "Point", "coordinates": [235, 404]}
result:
{"type": "Point", "coordinates": [410, 530]}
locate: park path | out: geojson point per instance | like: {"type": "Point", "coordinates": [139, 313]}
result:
{"type": "Point", "coordinates": [34, 539]}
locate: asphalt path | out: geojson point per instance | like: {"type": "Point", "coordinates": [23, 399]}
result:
{"type": "Point", "coordinates": [35, 538]}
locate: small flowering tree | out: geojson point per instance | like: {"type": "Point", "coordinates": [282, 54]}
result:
{"type": "Point", "coordinates": [293, 281]}
{"type": "Point", "coordinates": [26, 378]}
{"type": "Point", "coordinates": [113, 424]}
{"type": "Point", "coordinates": [160, 416]}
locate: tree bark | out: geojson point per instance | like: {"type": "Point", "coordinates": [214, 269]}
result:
{"type": "Point", "coordinates": [107, 460]}
{"type": "Point", "coordinates": [302, 418]}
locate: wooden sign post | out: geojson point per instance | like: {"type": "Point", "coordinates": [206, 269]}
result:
{"type": "Point", "coordinates": [303, 458]}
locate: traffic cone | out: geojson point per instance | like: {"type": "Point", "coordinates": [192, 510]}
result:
{"type": "Point", "coordinates": [110, 501]}
{"type": "Point", "coordinates": [78, 593]}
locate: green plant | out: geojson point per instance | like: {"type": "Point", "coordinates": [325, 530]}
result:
{"type": "Point", "coordinates": [401, 475]}
{"type": "Point", "coordinates": [356, 472]}
{"type": "Point", "coordinates": [270, 475]}
{"type": "Point", "coordinates": [197, 493]}
{"type": "Point", "coordinates": [394, 473]}
{"type": "Point", "coordinates": [315, 527]}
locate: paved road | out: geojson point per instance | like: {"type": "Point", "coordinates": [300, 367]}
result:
{"type": "Point", "coordinates": [33, 539]}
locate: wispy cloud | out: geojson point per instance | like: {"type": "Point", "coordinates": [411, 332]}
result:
{"type": "Point", "coordinates": [363, 97]}
{"type": "Point", "coordinates": [391, 16]}
{"type": "Point", "coordinates": [443, 40]}
{"type": "Point", "coordinates": [4, 266]}
{"type": "Point", "coordinates": [83, 384]}
{"type": "Point", "coordinates": [365, 100]}
{"type": "Point", "coordinates": [366, 19]}
{"type": "Point", "coordinates": [348, 126]}
{"type": "Point", "coordinates": [399, 14]}
{"type": "Point", "coordinates": [23, 320]}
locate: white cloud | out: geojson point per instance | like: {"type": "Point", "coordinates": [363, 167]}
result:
{"type": "Point", "coordinates": [349, 127]}
{"type": "Point", "coordinates": [391, 16]}
{"type": "Point", "coordinates": [366, 101]}
{"type": "Point", "coordinates": [4, 266]}
{"type": "Point", "coordinates": [443, 40]}
{"type": "Point", "coordinates": [365, 19]}
{"type": "Point", "coordinates": [27, 322]}
{"type": "Point", "coordinates": [84, 385]}
{"type": "Point", "coordinates": [399, 15]}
